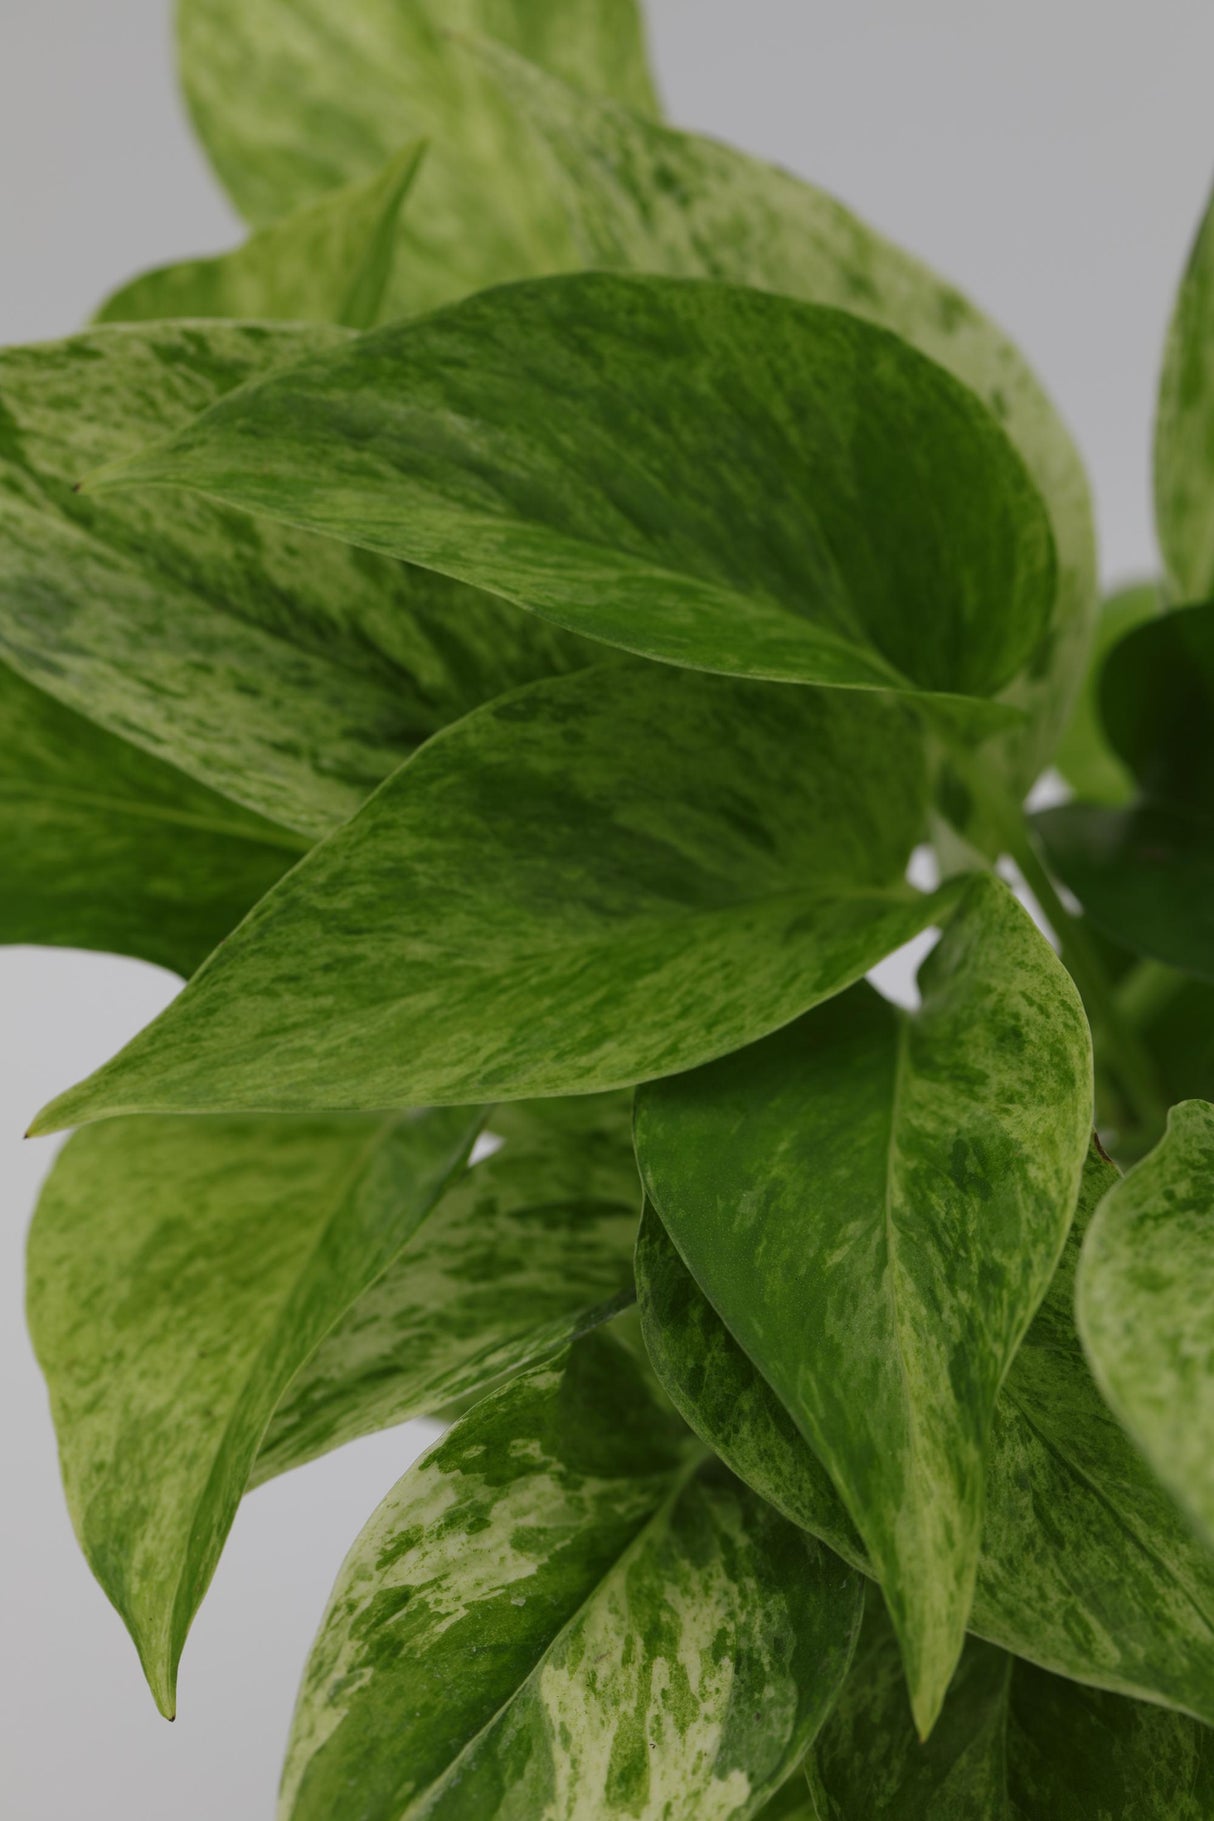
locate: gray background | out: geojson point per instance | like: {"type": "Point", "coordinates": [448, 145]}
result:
{"type": "Point", "coordinates": [1051, 158]}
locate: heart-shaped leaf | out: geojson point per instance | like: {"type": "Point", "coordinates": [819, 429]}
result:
{"type": "Point", "coordinates": [875, 1204]}
{"type": "Point", "coordinates": [705, 474]}
{"type": "Point", "coordinates": [595, 880]}
{"type": "Point", "coordinates": [563, 1609]}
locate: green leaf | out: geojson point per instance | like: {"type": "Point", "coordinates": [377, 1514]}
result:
{"type": "Point", "coordinates": [600, 878]}
{"type": "Point", "coordinates": [1145, 1292]}
{"type": "Point", "coordinates": [1184, 428]}
{"type": "Point", "coordinates": [716, 477]}
{"type": "Point", "coordinates": [107, 848]}
{"type": "Point", "coordinates": [280, 670]}
{"type": "Point", "coordinates": [180, 1272]}
{"type": "Point", "coordinates": [330, 261]}
{"type": "Point", "coordinates": [1157, 702]}
{"type": "Point", "coordinates": [563, 1610]}
{"type": "Point", "coordinates": [1086, 1567]}
{"type": "Point", "coordinates": [1084, 756]}
{"type": "Point", "coordinates": [642, 196]}
{"type": "Point", "coordinates": [523, 1253]}
{"type": "Point", "coordinates": [1013, 1744]}
{"type": "Point", "coordinates": [875, 1204]}
{"type": "Point", "coordinates": [292, 97]}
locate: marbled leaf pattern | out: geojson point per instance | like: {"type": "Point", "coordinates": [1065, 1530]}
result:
{"type": "Point", "coordinates": [564, 1613]}
{"type": "Point", "coordinates": [594, 880]}
{"type": "Point", "coordinates": [107, 848]}
{"type": "Point", "coordinates": [1086, 1567]}
{"type": "Point", "coordinates": [278, 669]}
{"type": "Point", "coordinates": [330, 261]}
{"type": "Point", "coordinates": [180, 1272]}
{"type": "Point", "coordinates": [1146, 1306]}
{"type": "Point", "coordinates": [1013, 1744]}
{"type": "Point", "coordinates": [875, 1204]}
{"type": "Point", "coordinates": [700, 473]}
{"type": "Point", "coordinates": [1184, 428]}
{"type": "Point", "coordinates": [292, 97]}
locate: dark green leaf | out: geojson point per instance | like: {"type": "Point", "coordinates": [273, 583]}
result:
{"type": "Point", "coordinates": [640, 195]}
{"type": "Point", "coordinates": [561, 1611]}
{"type": "Point", "coordinates": [1013, 1744]}
{"type": "Point", "coordinates": [107, 848]}
{"type": "Point", "coordinates": [1184, 429]}
{"type": "Point", "coordinates": [1087, 1567]}
{"type": "Point", "coordinates": [292, 97]}
{"type": "Point", "coordinates": [1145, 1296]}
{"type": "Point", "coordinates": [330, 261]}
{"type": "Point", "coordinates": [281, 670]}
{"type": "Point", "coordinates": [875, 1204]}
{"type": "Point", "coordinates": [712, 476]}
{"type": "Point", "coordinates": [180, 1272]}
{"type": "Point", "coordinates": [598, 879]}
{"type": "Point", "coordinates": [1157, 703]}
{"type": "Point", "coordinates": [1084, 756]}
{"type": "Point", "coordinates": [522, 1254]}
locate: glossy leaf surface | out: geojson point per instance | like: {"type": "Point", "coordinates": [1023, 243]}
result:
{"type": "Point", "coordinates": [875, 1204]}
{"type": "Point", "coordinates": [107, 848]}
{"type": "Point", "coordinates": [1087, 1566]}
{"type": "Point", "coordinates": [1145, 1302]}
{"type": "Point", "coordinates": [1013, 1744]}
{"type": "Point", "coordinates": [640, 195]}
{"type": "Point", "coordinates": [523, 1253]}
{"type": "Point", "coordinates": [292, 97]}
{"type": "Point", "coordinates": [1184, 429]}
{"type": "Point", "coordinates": [330, 261]}
{"type": "Point", "coordinates": [563, 1612]}
{"type": "Point", "coordinates": [598, 879]}
{"type": "Point", "coordinates": [281, 670]}
{"type": "Point", "coordinates": [180, 1272]}
{"type": "Point", "coordinates": [712, 476]}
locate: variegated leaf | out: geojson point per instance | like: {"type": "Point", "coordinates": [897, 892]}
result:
{"type": "Point", "coordinates": [180, 1272]}
{"type": "Point", "coordinates": [564, 1612]}
{"type": "Point", "coordinates": [1184, 428]}
{"type": "Point", "coordinates": [1146, 1306]}
{"type": "Point", "coordinates": [595, 880]}
{"type": "Point", "coordinates": [280, 670]}
{"type": "Point", "coordinates": [875, 1204]}
{"type": "Point", "coordinates": [1086, 1567]}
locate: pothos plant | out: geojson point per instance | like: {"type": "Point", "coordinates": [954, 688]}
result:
{"type": "Point", "coordinates": [499, 635]}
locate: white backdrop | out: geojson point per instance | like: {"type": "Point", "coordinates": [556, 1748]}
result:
{"type": "Point", "coordinates": [1051, 158]}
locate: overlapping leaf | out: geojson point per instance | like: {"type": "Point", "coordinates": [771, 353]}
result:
{"type": "Point", "coordinates": [330, 261]}
{"type": "Point", "coordinates": [1145, 873]}
{"type": "Point", "coordinates": [1184, 429]}
{"type": "Point", "coordinates": [292, 97]}
{"type": "Point", "coordinates": [713, 476]}
{"type": "Point", "coordinates": [595, 880]}
{"type": "Point", "coordinates": [875, 1204]}
{"type": "Point", "coordinates": [521, 1255]}
{"type": "Point", "coordinates": [1013, 1744]}
{"type": "Point", "coordinates": [281, 670]}
{"type": "Point", "coordinates": [640, 195]}
{"type": "Point", "coordinates": [107, 848]}
{"type": "Point", "coordinates": [1084, 756]}
{"type": "Point", "coordinates": [180, 1272]}
{"type": "Point", "coordinates": [1145, 1296]}
{"type": "Point", "coordinates": [1087, 1566]}
{"type": "Point", "coordinates": [562, 1610]}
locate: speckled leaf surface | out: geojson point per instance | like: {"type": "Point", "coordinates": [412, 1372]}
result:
{"type": "Point", "coordinates": [523, 1253]}
{"type": "Point", "coordinates": [1084, 754]}
{"type": "Point", "coordinates": [1146, 1306]}
{"type": "Point", "coordinates": [179, 1273]}
{"type": "Point", "coordinates": [330, 261]}
{"type": "Point", "coordinates": [106, 848]}
{"type": "Point", "coordinates": [641, 195]}
{"type": "Point", "coordinates": [281, 670]}
{"type": "Point", "coordinates": [1184, 428]}
{"type": "Point", "coordinates": [564, 1612]}
{"type": "Point", "coordinates": [1087, 1566]}
{"type": "Point", "coordinates": [292, 97]}
{"type": "Point", "coordinates": [600, 878]}
{"type": "Point", "coordinates": [1013, 1744]}
{"type": "Point", "coordinates": [875, 1204]}
{"type": "Point", "coordinates": [708, 475]}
